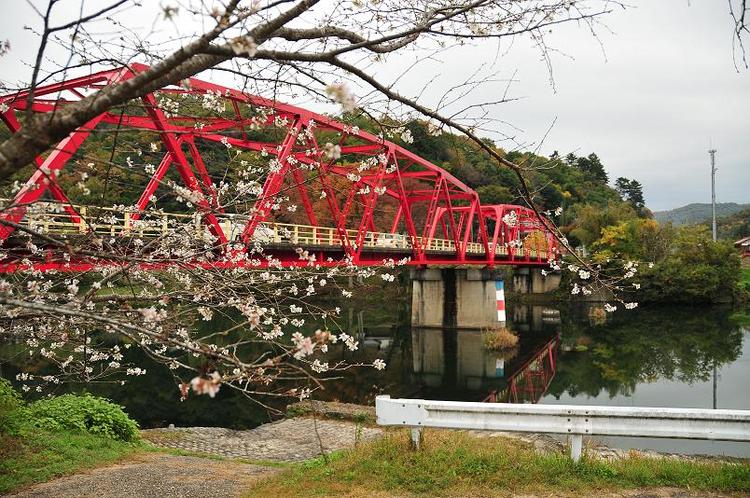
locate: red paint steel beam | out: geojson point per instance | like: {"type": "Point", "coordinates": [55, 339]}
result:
{"type": "Point", "coordinates": [272, 185]}
{"type": "Point", "coordinates": [299, 182]}
{"type": "Point", "coordinates": [448, 190]}
{"type": "Point", "coordinates": [208, 184]}
{"type": "Point", "coordinates": [44, 175]}
{"type": "Point", "coordinates": [153, 184]}
{"type": "Point", "coordinates": [9, 118]}
{"type": "Point", "coordinates": [183, 167]}
{"type": "Point", "coordinates": [288, 261]}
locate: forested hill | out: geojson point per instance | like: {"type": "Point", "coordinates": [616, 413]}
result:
{"type": "Point", "coordinates": [580, 185]}
{"type": "Point", "coordinates": [698, 212]}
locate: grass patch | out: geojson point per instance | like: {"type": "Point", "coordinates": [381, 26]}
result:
{"type": "Point", "coordinates": [745, 279]}
{"type": "Point", "coordinates": [499, 338]}
{"type": "Point", "coordinates": [457, 464]}
{"type": "Point", "coordinates": [37, 455]}
{"type": "Point", "coordinates": [58, 436]}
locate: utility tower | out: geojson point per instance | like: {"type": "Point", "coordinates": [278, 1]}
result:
{"type": "Point", "coordinates": [712, 152]}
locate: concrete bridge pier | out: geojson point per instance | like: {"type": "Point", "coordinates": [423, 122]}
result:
{"type": "Point", "coordinates": [451, 298]}
{"type": "Point", "coordinates": [531, 281]}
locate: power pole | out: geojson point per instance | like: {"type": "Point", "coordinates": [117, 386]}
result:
{"type": "Point", "coordinates": [712, 152]}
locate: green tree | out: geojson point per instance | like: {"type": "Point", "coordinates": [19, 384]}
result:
{"type": "Point", "coordinates": [592, 219]}
{"type": "Point", "coordinates": [592, 166]}
{"type": "Point", "coordinates": [632, 191]}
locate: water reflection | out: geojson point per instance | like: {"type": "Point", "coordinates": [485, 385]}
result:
{"type": "Point", "coordinates": [644, 347]}
{"type": "Point", "coordinates": [672, 357]}
{"type": "Point", "coordinates": [648, 357]}
{"type": "Point", "coordinates": [456, 365]}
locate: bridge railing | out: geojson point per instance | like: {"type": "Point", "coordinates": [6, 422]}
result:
{"type": "Point", "coordinates": [576, 421]}
{"type": "Point", "coordinates": [53, 218]}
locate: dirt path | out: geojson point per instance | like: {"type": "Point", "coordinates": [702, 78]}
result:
{"type": "Point", "coordinates": [162, 475]}
{"type": "Point", "coordinates": [156, 475]}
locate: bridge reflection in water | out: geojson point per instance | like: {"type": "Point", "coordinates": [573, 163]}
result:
{"type": "Point", "coordinates": [455, 364]}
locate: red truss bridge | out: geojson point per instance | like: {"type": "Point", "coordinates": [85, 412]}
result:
{"type": "Point", "coordinates": [363, 199]}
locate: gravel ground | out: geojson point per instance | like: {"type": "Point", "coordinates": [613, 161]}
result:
{"type": "Point", "coordinates": [155, 475]}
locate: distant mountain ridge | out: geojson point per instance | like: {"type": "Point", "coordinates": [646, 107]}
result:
{"type": "Point", "coordinates": [697, 212]}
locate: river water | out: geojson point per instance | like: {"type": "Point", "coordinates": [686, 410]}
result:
{"type": "Point", "coordinates": [664, 356]}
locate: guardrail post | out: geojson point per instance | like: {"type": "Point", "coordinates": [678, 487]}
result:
{"type": "Point", "coordinates": [416, 438]}
{"type": "Point", "coordinates": [576, 445]}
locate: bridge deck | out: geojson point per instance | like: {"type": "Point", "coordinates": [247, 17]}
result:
{"type": "Point", "coordinates": [50, 219]}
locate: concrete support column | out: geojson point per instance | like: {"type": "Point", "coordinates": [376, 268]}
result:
{"type": "Point", "coordinates": [531, 281]}
{"type": "Point", "coordinates": [454, 298]}
{"type": "Point", "coordinates": [427, 297]}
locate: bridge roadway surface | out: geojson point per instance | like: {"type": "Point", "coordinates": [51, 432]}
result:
{"type": "Point", "coordinates": [278, 239]}
{"type": "Point", "coordinates": [384, 201]}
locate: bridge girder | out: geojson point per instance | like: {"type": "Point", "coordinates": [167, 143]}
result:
{"type": "Point", "coordinates": [427, 198]}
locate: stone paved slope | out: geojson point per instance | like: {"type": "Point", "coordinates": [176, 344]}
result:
{"type": "Point", "coordinates": [288, 440]}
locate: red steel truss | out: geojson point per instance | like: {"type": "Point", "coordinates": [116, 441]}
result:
{"type": "Point", "coordinates": [426, 201]}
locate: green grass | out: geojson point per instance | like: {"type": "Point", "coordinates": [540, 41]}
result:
{"type": "Point", "coordinates": [745, 277]}
{"type": "Point", "coordinates": [35, 455]}
{"type": "Point", "coordinates": [60, 435]}
{"type": "Point", "coordinates": [457, 464]}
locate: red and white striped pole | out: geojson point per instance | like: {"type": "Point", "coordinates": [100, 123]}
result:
{"type": "Point", "coordinates": [500, 297]}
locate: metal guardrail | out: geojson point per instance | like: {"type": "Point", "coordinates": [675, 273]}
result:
{"type": "Point", "coordinates": [577, 421]}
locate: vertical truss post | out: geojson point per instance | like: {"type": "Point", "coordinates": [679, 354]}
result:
{"type": "Point", "coordinates": [405, 207]}
{"type": "Point", "coordinates": [495, 235]}
{"type": "Point", "coordinates": [469, 221]}
{"type": "Point", "coordinates": [367, 215]}
{"type": "Point", "coordinates": [208, 184]}
{"type": "Point", "coordinates": [330, 194]}
{"type": "Point", "coordinates": [451, 216]}
{"type": "Point", "coordinates": [306, 204]}
{"type": "Point", "coordinates": [482, 228]}
{"type": "Point", "coordinates": [273, 183]}
{"type": "Point", "coordinates": [397, 218]}
{"type": "Point", "coordinates": [183, 167]}
{"type": "Point", "coordinates": [432, 211]}
{"type": "Point", "coordinates": [153, 184]}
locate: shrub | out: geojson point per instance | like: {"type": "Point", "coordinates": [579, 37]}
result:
{"type": "Point", "coordinates": [9, 398]}
{"type": "Point", "coordinates": [499, 338]}
{"type": "Point", "coordinates": [10, 402]}
{"type": "Point", "coordinates": [83, 413]}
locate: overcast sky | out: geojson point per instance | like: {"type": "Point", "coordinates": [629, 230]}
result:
{"type": "Point", "coordinates": [647, 100]}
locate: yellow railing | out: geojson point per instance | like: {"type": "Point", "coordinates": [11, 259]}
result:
{"type": "Point", "coordinates": [51, 218]}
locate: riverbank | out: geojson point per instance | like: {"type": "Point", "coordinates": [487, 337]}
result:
{"type": "Point", "coordinates": [454, 463]}
{"type": "Point", "coordinates": [334, 449]}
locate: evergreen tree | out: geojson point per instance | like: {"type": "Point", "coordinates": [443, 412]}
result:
{"type": "Point", "coordinates": [631, 191]}
{"type": "Point", "coordinates": [593, 167]}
